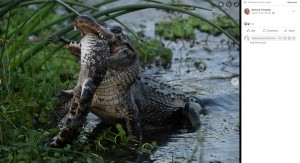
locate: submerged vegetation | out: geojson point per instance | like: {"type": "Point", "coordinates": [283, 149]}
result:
{"type": "Point", "coordinates": [153, 52]}
{"type": "Point", "coordinates": [184, 28]}
{"type": "Point", "coordinates": [33, 71]}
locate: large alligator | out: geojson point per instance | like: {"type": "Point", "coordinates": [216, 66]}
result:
{"type": "Point", "coordinates": [111, 87]}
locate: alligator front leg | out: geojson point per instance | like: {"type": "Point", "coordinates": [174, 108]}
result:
{"type": "Point", "coordinates": [74, 47]}
{"type": "Point", "coordinates": [132, 118]}
{"type": "Point", "coordinates": [77, 113]}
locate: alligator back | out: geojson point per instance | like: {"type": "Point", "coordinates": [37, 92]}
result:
{"type": "Point", "coordinates": [160, 105]}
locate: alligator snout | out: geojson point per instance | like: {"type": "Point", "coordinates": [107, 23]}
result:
{"type": "Point", "coordinates": [87, 24]}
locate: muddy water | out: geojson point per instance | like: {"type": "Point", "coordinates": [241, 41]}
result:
{"type": "Point", "coordinates": [216, 141]}
{"type": "Point", "coordinates": [217, 86]}
{"type": "Point", "coordinates": [218, 138]}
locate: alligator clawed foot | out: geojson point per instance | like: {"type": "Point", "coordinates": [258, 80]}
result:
{"type": "Point", "coordinates": [56, 39]}
{"type": "Point", "coordinates": [56, 142]}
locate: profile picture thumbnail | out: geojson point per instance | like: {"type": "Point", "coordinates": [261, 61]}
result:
{"type": "Point", "coordinates": [247, 11]}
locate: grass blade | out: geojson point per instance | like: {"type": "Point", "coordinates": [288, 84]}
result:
{"type": "Point", "coordinates": [13, 48]}
{"type": "Point", "coordinates": [5, 9]}
{"type": "Point", "coordinates": [70, 15]}
{"type": "Point", "coordinates": [133, 8]}
{"type": "Point", "coordinates": [221, 9]}
{"type": "Point", "coordinates": [68, 7]}
{"type": "Point", "coordinates": [180, 5]}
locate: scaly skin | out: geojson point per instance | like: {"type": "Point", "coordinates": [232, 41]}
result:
{"type": "Point", "coordinates": [123, 95]}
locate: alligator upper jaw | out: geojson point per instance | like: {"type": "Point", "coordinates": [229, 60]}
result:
{"type": "Point", "coordinates": [87, 24]}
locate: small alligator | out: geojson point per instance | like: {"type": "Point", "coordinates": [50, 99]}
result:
{"type": "Point", "coordinates": [111, 87]}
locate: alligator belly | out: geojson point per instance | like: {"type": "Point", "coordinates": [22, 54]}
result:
{"type": "Point", "coordinates": [108, 114]}
{"type": "Point", "coordinates": [109, 105]}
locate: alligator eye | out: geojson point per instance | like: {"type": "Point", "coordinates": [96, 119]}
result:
{"type": "Point", "coordinates": [116, 29]}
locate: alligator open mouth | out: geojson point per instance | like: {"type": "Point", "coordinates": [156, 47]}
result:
{"type": "Point", "coordinates": [87, 24]}
{"type": "Point", "coordinates": [113, 34]}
